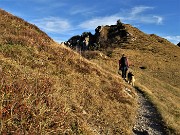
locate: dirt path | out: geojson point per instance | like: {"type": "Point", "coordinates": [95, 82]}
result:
{"type": "Point", "coordinates": [149, 121]}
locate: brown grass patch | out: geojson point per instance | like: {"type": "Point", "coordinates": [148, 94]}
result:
{"type": "Point", "coordinates": [55, 90]}
{"type": "Point", "coordinates": [160, 77]}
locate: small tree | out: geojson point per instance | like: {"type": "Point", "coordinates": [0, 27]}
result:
{"type": "Point", "coordinates": [119, 23]}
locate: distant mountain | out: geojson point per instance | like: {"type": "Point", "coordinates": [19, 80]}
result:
{"type": "Point", "coordinates": [46, 88]}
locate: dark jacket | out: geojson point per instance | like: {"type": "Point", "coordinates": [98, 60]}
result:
{"type": "Point", "coordinates": [123, 63]}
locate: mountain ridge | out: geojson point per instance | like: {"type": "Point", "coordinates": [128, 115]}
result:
{"type": "Point", "coordinates": [115, 36]}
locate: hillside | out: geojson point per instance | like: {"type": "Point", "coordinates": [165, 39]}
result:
{"type": "Point", "coordinates": [46, 88]}
{"type": "Point", "coordinates": [153, 60]}
{"type": "Point", "coordinates": [14, 30]}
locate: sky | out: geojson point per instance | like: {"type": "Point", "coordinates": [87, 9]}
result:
{"type": "Point", "coordinates": [62, 19]}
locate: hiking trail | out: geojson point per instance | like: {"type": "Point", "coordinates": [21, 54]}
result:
{"type": "Point", "coordinates": [148, 120]}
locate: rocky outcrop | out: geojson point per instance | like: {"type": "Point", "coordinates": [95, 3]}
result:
{"type": "Point", "coordinates": [113, 34]}
{"type": "Point", "coordinates": [178, 44]}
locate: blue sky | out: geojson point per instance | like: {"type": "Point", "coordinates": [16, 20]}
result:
{"type": "Point", "coordinates": [62, 19]}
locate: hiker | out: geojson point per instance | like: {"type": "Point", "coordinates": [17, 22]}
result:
{"type": "Point", "coordinates": [123, 66]}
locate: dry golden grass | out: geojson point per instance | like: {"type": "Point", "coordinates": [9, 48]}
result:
{"type": "Point", "coordinates": [160, 77]}
{"type": "Point", "coordinates": [58, 91]}
{"type": "Point", "coordinates": [46, 88]}
{"type": "Point", "coordinates": [14, 30]}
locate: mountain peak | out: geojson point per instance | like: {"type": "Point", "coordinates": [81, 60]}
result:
{"type": "Point", "coordinates": [120, 35]}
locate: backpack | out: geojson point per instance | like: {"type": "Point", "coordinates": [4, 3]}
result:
{"type": "Point", "coordinates": [124, 62]}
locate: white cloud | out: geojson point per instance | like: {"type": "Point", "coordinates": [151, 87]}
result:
{"type": "Point", "coordinates": [134, 16]}
{"type": "Point", "coordinates": [57, 28]}
{"type": "Point", "coordinates": [139, 9]}
{"type": "Point", "coordinates": [93, 23]}
{"type": "Point", "coordinates": [138, 15]}
{"type": "Point", "coordinates": [159, 19]}
{"type": "Point", "coordinates": [53, 24]}
{"type": "Point", "coordinates": [82, 11]}
{"type": "Point", "coordinates": [173, 39]}
{"type": "Point", "coordinates": [147, 19]}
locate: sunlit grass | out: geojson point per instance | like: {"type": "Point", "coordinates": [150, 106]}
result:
{"type": "Point", "coordinates": [46, 88]}
{"type": "Point", "coordinates": [55, 90]}
{"type": "Point", "coordinates": [159, 79]}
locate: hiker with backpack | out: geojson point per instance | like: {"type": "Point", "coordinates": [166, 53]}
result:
{"type": "Point", "coordinates": [123, 66]}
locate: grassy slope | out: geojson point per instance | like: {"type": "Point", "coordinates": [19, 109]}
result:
{"type": "Point", "coordinates": [160, 79]}
{"type": "Point", "coordinates": [46, 88]}
{"type": "Point", "coordinates": [14, 30]}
